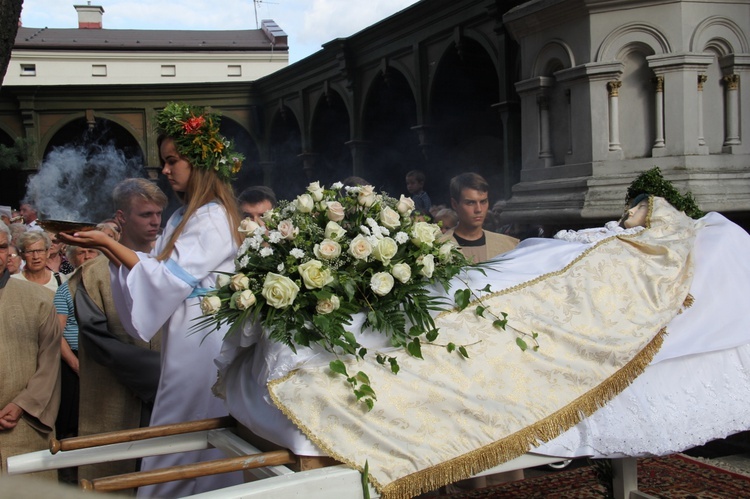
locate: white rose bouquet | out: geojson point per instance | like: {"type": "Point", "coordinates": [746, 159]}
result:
{"type": "Point", "coordinates": [329, 254]}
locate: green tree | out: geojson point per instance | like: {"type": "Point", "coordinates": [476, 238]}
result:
{"type": "Point", "coordinates": [10, 13]}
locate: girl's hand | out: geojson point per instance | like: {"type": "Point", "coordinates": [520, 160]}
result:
{"type": "Point", "coordinates": [86, 239]}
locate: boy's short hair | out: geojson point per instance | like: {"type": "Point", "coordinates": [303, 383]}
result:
{"type": "Point", "coordinates": [468, 180]}
{"type": "Point", "coordinates": [130, 188]}
{"type": "Point", "coordinates": [256, 194]}
{"type": "Point", "coordinates": [417, 174]}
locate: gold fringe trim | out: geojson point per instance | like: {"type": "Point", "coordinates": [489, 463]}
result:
{"type": "Point", "coordinates": [520, 442]}
{"type": "Point", "coordinates": [689, 301]}
{"type": "Point", "coordinates": [503, 450]}
{"type": "Point", "coordinates": [310, 434]}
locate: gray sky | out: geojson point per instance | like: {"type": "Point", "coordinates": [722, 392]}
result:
{"type": "Point", "coordinates": [309, 23]}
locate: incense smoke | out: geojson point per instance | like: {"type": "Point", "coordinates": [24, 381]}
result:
{"type": "Point", "coordinates": [76, 182]}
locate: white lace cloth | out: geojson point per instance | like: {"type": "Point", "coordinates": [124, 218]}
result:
{"type": "Point", "coordinates": [696, 389]}
{"type": "Point", "coordinates": [589, 236]}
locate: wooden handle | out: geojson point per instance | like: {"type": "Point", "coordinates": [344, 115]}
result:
{"type": "Point", "coordinates": [139, 479]}
{"type": "Point", "coordinates": [116, 437]}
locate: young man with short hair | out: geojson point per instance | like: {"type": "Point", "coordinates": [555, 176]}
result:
{"type": "Point", "coordinates": [470, 200]}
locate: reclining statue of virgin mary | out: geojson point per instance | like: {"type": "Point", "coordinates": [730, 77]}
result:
{"type": "Point", "coordinates": [643, 350]}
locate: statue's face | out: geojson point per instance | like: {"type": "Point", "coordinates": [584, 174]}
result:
{"type": "Point", "coordinates": [636, 216]}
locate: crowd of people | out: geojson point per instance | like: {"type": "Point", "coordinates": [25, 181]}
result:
{"type": "Point", "coordinates": [96, 324]}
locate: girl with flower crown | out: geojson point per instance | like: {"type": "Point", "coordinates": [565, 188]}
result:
{"type": "Point", "coordinates": [162, 290]}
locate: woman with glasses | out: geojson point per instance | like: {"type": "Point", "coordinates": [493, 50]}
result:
{"type": "Point", "coordinates": [14, 260]}
{"type": "Point", "coordinates": [34, 247]}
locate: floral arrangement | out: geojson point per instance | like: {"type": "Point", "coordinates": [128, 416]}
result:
{"type": "Point", "coordinates": [329, 254]}
{"type": "Point", "coordinates": [196, 135]}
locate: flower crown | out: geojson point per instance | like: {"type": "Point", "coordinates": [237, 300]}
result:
{"type": "Point", "coordinates": [197, 138]}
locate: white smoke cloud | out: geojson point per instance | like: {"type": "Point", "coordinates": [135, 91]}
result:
{"type": "Point", "coordinates": [76, 182]}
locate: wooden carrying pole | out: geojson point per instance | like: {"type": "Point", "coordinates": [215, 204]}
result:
{"type": "Point", "coordinates": [116, 437]}
{"type": "Point", "coordinates": [140, 479]}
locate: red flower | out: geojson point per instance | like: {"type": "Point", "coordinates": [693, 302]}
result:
{"type": "Point", "coordinates": [193, 124]}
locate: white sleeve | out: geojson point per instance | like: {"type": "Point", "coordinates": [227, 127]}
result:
{"type": "Point", "coordinates": [152, 291]}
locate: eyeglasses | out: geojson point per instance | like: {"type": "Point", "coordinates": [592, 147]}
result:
{"type": "Point", "coordinates": [12, 255]}
{"type": "Point", "coordinates": [35, 252]}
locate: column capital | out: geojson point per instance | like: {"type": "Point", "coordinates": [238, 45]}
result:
{"type": "Point", "coordinates": [702, 78]}
{"type": "Point", "coordinates": [732, 81]}
{"type": "Point", "coordinates": [659, 82]}
{"type": "Point", "coordinates": [613, 87]}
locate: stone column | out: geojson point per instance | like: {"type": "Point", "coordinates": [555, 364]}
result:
{"type": "Point", "coordinates": [731, 107]}
{"type": "Point", "coordinates": [701, 80]}
{"type": "Point", "coordinates": [425, 144]}
{"type": "Point", "coordinates": [308, 163]}
{"type": "Point", "coordinates": [545, 140]}
{"type": "Point", "coordinates": [613, 89]}
{"type": "Point", "coordinates": [659, 95]}
{"type": "Point", "coordinates": [569, 117]}
{"type": "Point", "coordinates": [358, 149]}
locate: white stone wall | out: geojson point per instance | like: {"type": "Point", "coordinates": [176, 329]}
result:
{"type": "Point", "coordinates": [609, 89]}
{"type": "Point", "coordinates": [116, 68]}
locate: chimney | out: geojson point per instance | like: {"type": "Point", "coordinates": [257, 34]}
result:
{"type": "Point", "coordinates": [89, 16]}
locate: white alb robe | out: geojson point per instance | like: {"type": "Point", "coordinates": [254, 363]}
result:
{"type": "Point", "coordinates": [166, 294]}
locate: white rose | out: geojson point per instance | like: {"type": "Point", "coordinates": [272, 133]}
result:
{"type": "Point", "coordinates": [304, 203]}
{"type": "Point", "coordinates": [279, 291]}
{"type": "Point", "coordinates": [268, 216]}
{"type": "Point", "coordinates": [360, 248]}
{"type": "Point", "coordinates": [314, 275]}
{"type": "Point", "coordinates": [222, 280]}
{"type": "Point", "coordinates": [366, 196]}
{"type": "Point", "coordinates": [390, 218]}
{"type": "Point", "coordinates": [248, 227]}
{"type": "Point", "coordinates": [238, 282]}
{"type": "Point", "coordinates": [381, 283]}
{"type": "Point", "coordinates": [428, 265]}
{"type": "Point", "coordinates": [424, 233]}
{"type": "Point", "coordinates": [334, 231]}
{"type": "Point", "coordinates": [326, 306]}
{"type": "Point", "coordinates": [405, 205]}
{"type": "Point", "coordinates": [402, 272]}
{"type": "Point", "coordinates": [315, 190]}
{"type": "Point", "coordinates": [445, 252]}
{"type": "Point", "coordinates": [210, 304]}
{"type": "Point", "coordinates": [328, 249]}
{"type": "Point", "coordinates": [287, 229]}
{"type": "Point", "coordinates": [385, 249]}
{"type": "Point", "coordinates": [243, 299]}
{"type": "Point", "coordinates": [334, 211]}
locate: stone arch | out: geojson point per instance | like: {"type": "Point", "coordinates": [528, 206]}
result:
{"type": "Point", "coordinates": [388, 117]}
{"type": "Point", "coordinates": [77, 131]}
{"type": "Point", "coordinates": [637, 108]}
{"type": "Point", "coordinates": [14, 180]}
{"type": "Point", "coordinates": [554, 56]}
{"type": "Point", "coordinates": [617, 43]}
{"type": "Point", "coordinates": [330, 132]}
{"type": "Point", "coordinates": [287, 177]}
{"type": "Point", "coordinates": [252, 171]}
{"type": "Point", "coordinates": [721, 34]}
{"type": "Point", "coordinates": [466, 131]}
{"type": "Point", "coordinates": [7, 136]}
{"type": "Point", "coordinates": [554, 53]}
{"type": "Point", "coordinates": [81, 165]}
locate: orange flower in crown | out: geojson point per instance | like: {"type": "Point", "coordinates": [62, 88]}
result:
{"type": "Point", "coordinates": [197, 138]}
